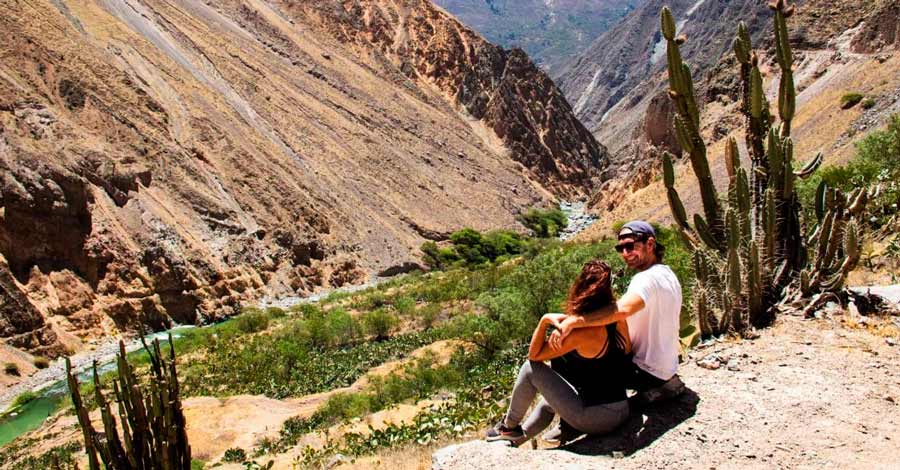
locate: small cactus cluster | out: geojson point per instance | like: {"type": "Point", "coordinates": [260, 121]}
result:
{"type": "Point", "coordinates": [152, 421]}
{"type": "Point", "coordinates": [749, 249]}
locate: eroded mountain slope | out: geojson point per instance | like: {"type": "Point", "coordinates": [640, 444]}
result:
{"type": "Point", "coordinates": [167, 160]}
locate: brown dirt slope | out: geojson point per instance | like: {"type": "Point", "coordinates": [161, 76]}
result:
{"type": "Point", "coordinates": [806, 394]}
{"type": "Point", "coordinates": [167, 160]}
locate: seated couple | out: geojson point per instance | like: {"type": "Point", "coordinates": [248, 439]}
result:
{"type": "Point", "coordinates": [600, 347]}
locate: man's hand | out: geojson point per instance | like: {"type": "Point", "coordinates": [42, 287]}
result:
{"type": "Point", "coordinates": [562, 330]}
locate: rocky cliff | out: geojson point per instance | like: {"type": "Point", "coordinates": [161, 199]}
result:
{"type": "Point", "coordinates": [168, 160]}
{"type": "Point", "coordinates": [617, 86]}
{"type": "Point", "coordinates": [551, 32]}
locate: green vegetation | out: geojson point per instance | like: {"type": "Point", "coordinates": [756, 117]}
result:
{"type": "Point", "coordinates": [850, 100]}
{"type": "Point", "coordinates": [24, 398]}
{"type": "Point", "coordinates": [41, 362]}
{"type": "Point", "coordinates": [235, 454]}
{"type": "Point", "coordinates": [876, 167]}
{"type": "Point", "coordinates": [252, 321]}
{"type": "Point", "coordinates": [150, 416]}
{"type": "Point", "coordinates": [545, 223]}
{"type": "Point", "coordinates": [472, 248]}
{"type": "Point", "coordinates": [64, 457]}
{"type": "Point", "coordinates": [379, 323]}
{"type": "Point", "coordinates": [868, 103]}
{"type": "Point", "coordinates": [313, 348]}
{"type": "Point", "coordinates": [479, 400]}
{"type": "Point", "coordinates": [750, 248]}
{"type": "Point", "coordinates": [289, 363]}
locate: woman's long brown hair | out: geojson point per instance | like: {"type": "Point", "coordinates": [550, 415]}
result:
{"type": "Point", "coordinates": [591, 290]}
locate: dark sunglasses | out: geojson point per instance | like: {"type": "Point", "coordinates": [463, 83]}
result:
{"type": "Point", "coordinates": [621, 247]}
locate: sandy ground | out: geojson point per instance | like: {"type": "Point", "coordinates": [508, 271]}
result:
{"type": "Point", "coordinates": [806, 394]}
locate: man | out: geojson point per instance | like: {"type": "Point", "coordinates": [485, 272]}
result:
{"type": "Point", "coordinates": [652, 309]}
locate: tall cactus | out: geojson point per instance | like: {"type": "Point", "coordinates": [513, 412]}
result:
{"type": "Point", "coordinates": [152, 421]}
{"type": "Point", "coordinates": [749, 249]}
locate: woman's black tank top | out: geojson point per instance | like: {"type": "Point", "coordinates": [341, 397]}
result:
{"type": "Point", "coordinates": [598, 380]}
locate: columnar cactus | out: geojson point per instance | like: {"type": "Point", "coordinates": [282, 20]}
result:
{"type": "Point", "coordinates": [153, 425]}
{"type": "Point", "coordinates": [749, 249]}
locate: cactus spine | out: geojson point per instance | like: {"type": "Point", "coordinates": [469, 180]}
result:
{"type": "Point", "coordinates": [152, 421]}
{"type": "Point", "coordinates": [750, 250]}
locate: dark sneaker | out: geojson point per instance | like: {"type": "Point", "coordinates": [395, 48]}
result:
{"type": "Point", "coordinates": [671, 389]}
{"type": "Point", "coordinates": [562, 434]}
{"type": "Point", "coordinates": [502, 433]}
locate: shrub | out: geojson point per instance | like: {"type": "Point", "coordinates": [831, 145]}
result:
{"type": "Point", "coordinates": [24, 398]}
{"type": "Point", "coordinates": [252, 321]}
{"type": "Point", "coordinates": [41, 362]}
{"type": "Point", "coordinates": [379, 323]}
{"type": "Point", "coordinates": [405, 305]}
{"type": "Point", "coordinates": [868, 103]}
{"type": "Point", "coordinates": [876, 163]}
{"type": "Point", "coordinates": [850, 100]}
{"type": "Point", "coordinates": [275, 312]}
{"type": "Point", "coordinates": [545, 223]}
{"type": "Point", "coordinates": [428, 314]}
{"type": "Point", "coordinates": [342, 328]}
{"type": "Point", "coordinates": [436, 257]}
{"type": "Point", "coordinates": [235, 454]}
{"type": "Point", "coordinates": [11, 369]}
{"type": "Point", "coordinates": [305, 310]}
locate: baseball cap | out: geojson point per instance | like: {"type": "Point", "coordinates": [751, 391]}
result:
{"type": "Point", "coordinates": [640, 230]}
{"type": "Point", "coordinates": [637, 228]}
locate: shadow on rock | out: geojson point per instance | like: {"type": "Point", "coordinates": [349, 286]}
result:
{"type": "Point", "coordinates": [642, 428]}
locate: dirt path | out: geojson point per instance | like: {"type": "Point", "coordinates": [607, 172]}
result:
{"type": "Point", "coordinates": [806, 394]}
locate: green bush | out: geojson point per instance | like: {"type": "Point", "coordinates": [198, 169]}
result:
{"type": "Point", "coordinates": [342, 327]}
{"type": "Point", "coordinates": [41, 362]}
{"type": "Point", "coordinates": [235, 454]}
{"type": "Point", "coordinates": [24, 398]}
{"type": "Point", "coordinates": [428, 314]}
{"type": "Point", "coordinates": [868, 103]}
{"type": "Point", "coordinates": [472, 248]}
{"type": "Point", "coordinates": [876, 163]}
{"type": "Point", "coordinates": [11, 369]}
{"type": "Point", "coordinates": [379, 323]}
{"type": "Point", "coordinates": [275, 312]}
{"type": "Point", "coordinates": [545, 223]}
{"type": "Point", "coordinates": [850, 100]}
{"type": "Point", "coordinates": [436, 257]}
{"type": "Point", "coordinates": [252, 321]}
{"type": "Point", "coordinates": [405, 305]}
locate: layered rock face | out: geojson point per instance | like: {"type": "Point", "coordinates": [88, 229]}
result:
{"type": "Point", "coordinates": [168, 160]}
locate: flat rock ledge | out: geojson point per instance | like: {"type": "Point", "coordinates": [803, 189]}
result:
{"type": "Point", "coordinates": [482, 455]}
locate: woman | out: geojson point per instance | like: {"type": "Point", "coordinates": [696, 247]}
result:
{"type": "Point", "coordinates": [586, 385]}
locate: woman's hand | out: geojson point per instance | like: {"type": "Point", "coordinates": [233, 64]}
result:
{"type": "Point", "coordinates": [563, 329]}
{"type": "Point", "coordinates": [553, 319]}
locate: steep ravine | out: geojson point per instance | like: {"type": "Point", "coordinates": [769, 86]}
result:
{"type": "Point", "coordinates": [169, 160]}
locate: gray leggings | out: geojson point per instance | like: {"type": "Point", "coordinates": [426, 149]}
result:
{"type": "Point", "coordinates": [559, 397]}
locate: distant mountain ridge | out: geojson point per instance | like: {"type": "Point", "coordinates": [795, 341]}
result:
{"type": "Point", "coordinates": [550, 31]}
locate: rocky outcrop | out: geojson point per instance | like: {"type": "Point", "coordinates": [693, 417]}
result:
{"type": "Point", "coordinates": [618, 84]}
{"type": "Point", "coordinates": [881, 29]}
{"type": "Point", "coordinates": [516, 101]}
{"type": "Point", "coordinates": [168, 161]}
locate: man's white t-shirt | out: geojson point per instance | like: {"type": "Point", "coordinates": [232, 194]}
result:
{"type": "Point", "coordinates": [654, 329]}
